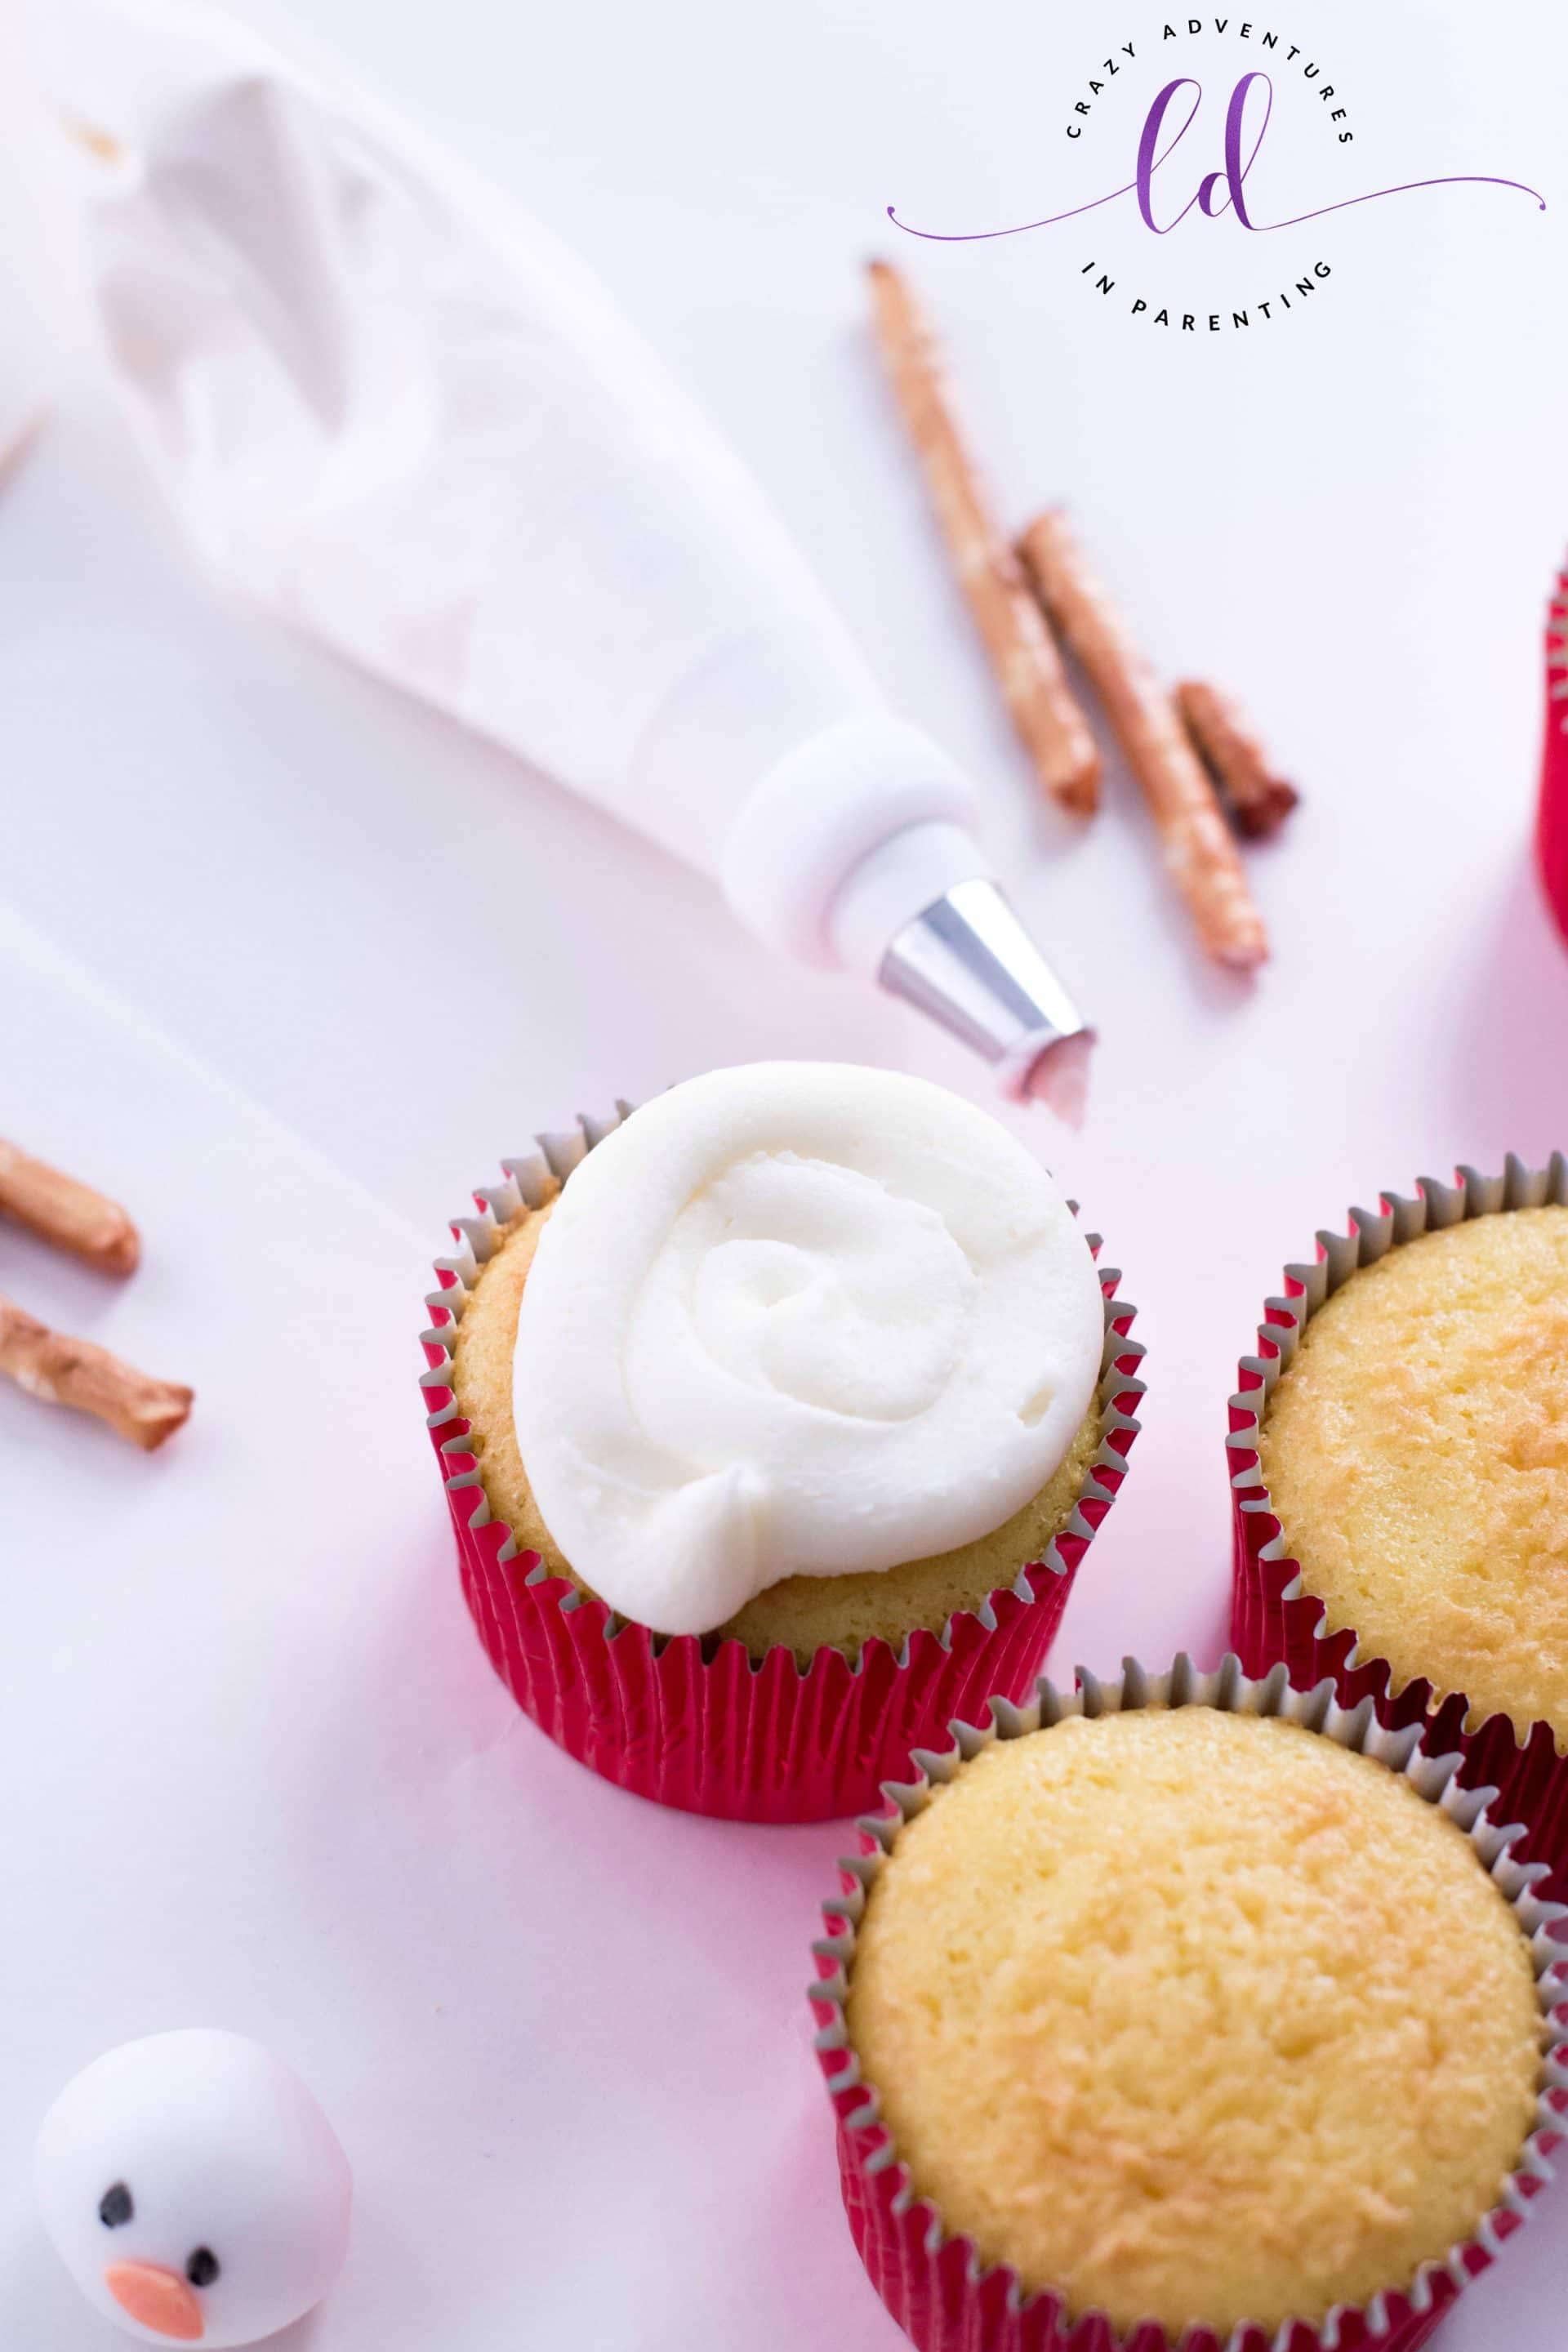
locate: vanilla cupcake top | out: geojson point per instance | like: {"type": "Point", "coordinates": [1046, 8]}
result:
{"type": "Point", "coordinates": [1196, 2017]}
{"type": "Point", "coordinates": [796, 1318]}
{"type": "Point", "coordinates": [1416, 1454]}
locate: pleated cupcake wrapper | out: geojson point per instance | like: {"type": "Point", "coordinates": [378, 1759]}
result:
{"type": "Point", "coordinates": [936, 2285]}
{"type": "Point", "coordinates": [1274, 1618]}
{"type": "Point", "coordinates": [1552, 822]}
{"type": "Point", "coordinates": [697, 1723]}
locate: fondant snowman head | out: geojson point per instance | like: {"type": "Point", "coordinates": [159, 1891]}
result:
{"type": "Point", "coordinates": [194, 2189]}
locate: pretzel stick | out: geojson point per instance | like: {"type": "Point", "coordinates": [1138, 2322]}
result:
{"type": "Point", "coordinates": [77, 1373]}
{"type": "Point", "coordinates": [1016, 635]}
{"type": "Point", "coordinates": [1199, 849]}
{"type": "Point", "coordinates": [66, 1213]}
{"type": "Point", "coordinates": [1259, 798]}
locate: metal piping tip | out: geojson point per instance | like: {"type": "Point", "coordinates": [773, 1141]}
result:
{"type": "Point", "coordinates": [968, 963]}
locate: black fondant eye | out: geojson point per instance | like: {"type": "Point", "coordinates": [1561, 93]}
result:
{"type": "Point", "coordinates": [203, 2267]}
{"type": "Point", "coordinates": [114, 2206]}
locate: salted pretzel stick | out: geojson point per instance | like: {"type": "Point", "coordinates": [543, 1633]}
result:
{"type": "Point", "coordinates": [1199, 849]}
{"type": "Point", "coordinates": [1015, 633]}
{"type": "Point", "coordinates": [77, 1373]}
{"type": "Point", "coordinates": [67, 1212]}
{"type": "Point", "coordinates": [1259, 797]}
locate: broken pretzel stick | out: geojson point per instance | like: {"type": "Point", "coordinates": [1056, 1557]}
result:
{"type": "Point", "coordinates": [1258, 798]}
{"type": "Point", "coordinates": [79, 1373]}
{"type": "Point", "coordinates": [1017, 637]}
{"type": "Point", "coordinates": [1200, 851]}
{"type": "Point", "coordinates": [66, 1213]}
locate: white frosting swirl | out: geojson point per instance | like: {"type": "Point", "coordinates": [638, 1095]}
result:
{"type": "Point", "coordinates": [797, 1317]}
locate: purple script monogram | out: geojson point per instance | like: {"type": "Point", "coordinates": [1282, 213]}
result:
{"type": "Point", "coordinates": [1231, 177]}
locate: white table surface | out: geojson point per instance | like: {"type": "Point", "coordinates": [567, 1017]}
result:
{"type": "Point", "coordinates": [291, 964]}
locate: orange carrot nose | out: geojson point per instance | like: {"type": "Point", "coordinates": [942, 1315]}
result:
{"type": "Point", "coordinates": [157, 2298]}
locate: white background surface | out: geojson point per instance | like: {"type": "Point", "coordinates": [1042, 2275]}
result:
{"type": "Point", "coordinates": [291, 964]}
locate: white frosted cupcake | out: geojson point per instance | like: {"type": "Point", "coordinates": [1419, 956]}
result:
{"type": "Point", "coordinates": [800, 1364]}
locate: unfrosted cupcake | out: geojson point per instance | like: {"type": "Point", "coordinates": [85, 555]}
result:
{"type": "Point", "coordinates": [1184, 2015]}
{"type": "Point", "coordinates": [1412, 1453]}
{"type": "Point", "coordinates": [1416, 1454]}
{"type": "Point", "coordinates": [800, 1367]}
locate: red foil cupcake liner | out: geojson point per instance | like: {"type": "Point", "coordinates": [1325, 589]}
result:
{"type": "Point", "coordinates": [1274, 1619]}
{"type": "Point", "coordinates": [700, 1724]}
{"type": "Point", "coordinates": [1552, 822]}
{"type": "Point", "coordinates": [937, 2287]}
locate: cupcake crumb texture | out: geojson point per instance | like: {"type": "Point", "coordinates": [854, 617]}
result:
{"type": "Point", "coordinates": [1196, 2017]}
{"type": "Point", "coordinates": [1417, 1454]}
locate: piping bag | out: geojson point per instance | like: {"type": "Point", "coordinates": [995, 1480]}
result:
{"type": "Point", "coordinates": [408, 420]}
